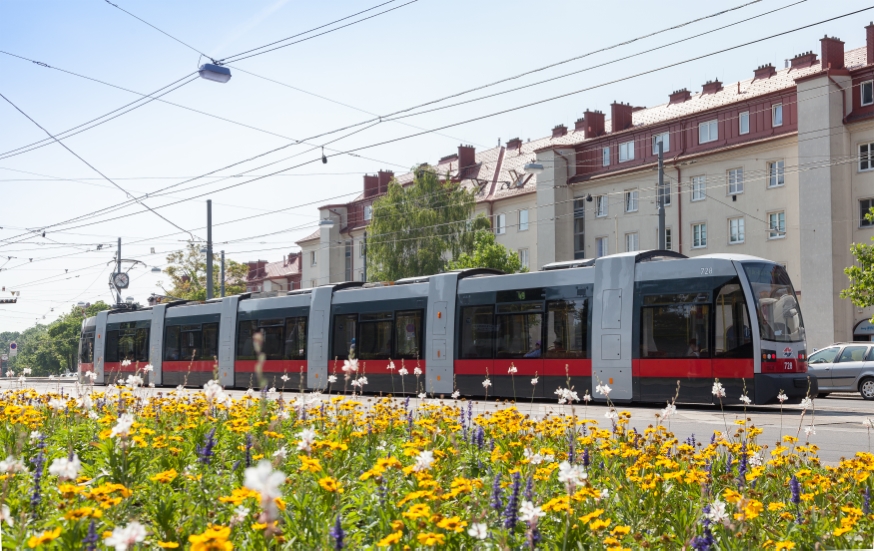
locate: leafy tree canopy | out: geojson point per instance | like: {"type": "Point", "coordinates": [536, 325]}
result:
{"type": "Point", "coordinates": [487, 253]}
{"type": "Point", "coordinates": [187, 272]}
{"type": "Point", "coordinates": [861, 289]}
{"type": "Point", "coordinates": [416, 228]}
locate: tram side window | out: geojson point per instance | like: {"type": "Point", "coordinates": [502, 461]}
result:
{"type": "Point", "coordinates": [111, 354]}
{"type": "Point", "coordinates": [519, 330]}
{"type": "Point", "coordinates": [408, 335]}
{"type": "Point", "coordinates": [171, 343]}
{"type": "Point", "coordinates": [344, 336]}
{"type": "Point", "coordinates": [190, 341]}
{"type": "Point", "coordinates": [86, 354]}
{"type": "Point", "coordinates": [142, 345]}
{"type": "Point", "coordinates": [245, 346]}
{"type": "Point", "coordinates": [676, 328]}
{"type": "Point", "coordinates": [733, 337]}
{"type": "Point", "coordinates": [567, 328]}
{"type": "Point", "coordinates": [296, 338]}
{"type": "Point", "coordinates": [274, 340]}
{"type": "Point", "coordinates": [477, 331]}
{"type": "Point", "coordinates": [210, 342]}
{"type": "Point", "coordinates": [375, 334]}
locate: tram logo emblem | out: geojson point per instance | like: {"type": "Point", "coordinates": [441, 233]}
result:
{"type": "Point", "coordinates": [787, 352]}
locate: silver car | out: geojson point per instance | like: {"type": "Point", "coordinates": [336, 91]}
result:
{"type": "Point", "coordinates": [844, 367]}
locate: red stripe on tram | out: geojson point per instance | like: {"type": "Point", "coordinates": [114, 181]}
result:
{"type": "Point", "coordinates": [272, 366]}
{"type": "Point", "coordinates": [184, 367]}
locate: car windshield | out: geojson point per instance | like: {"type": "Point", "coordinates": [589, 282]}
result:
{"type": "Point", "coordinates": [776, 306]}
{"type": "Point", "coordinates": [824, 356]}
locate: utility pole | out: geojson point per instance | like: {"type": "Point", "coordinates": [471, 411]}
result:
{"type": "Point", "coordinates": [118, 271]}
{"type": "Point", "coordinates": [364, 244]}
{"type": "Point", "coordinates": [208, 249]}
{"type": "Point", "coordinates": [222, 281]}
{"type": "Point", "coordinates": [661, 196]}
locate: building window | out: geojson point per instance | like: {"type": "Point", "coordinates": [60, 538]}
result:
{"type": "Point", "coordinates": [867, 92]}
{"type": "Point", "coordinates": [579, 228]}
{"type": "Point", "coordinates": [777, 115]}
{"type": "Point", "coordinates": [665, 139]}
{"type": "Point", "coordinates": [601, 206]}
{"type": "Point", "coordinates": [699, 236]}
{"type": "Point", "coordinates": [605, 156]}
{"type": "Point", "coordinates": [664, 193]}
{"type": "Point", "coordinates": [736, 231]}
{"type": "Point", "coordinates": [523, 258]}
{"type": "Point", "coordinates": [864, 208]}
{"type": "Point", "coordinates": [626, 151]}
{"type": "Point", "coordinates": [501, 224]}
{"type": "Point", "coordinates": [866, 156]}
{"type": "Point", "coordinates": [669, 242]}
{"type": "Point", "coordinates": [777, 225]}
{"type": "Point", "coordinates": [361, 249]}
{"type": "Point", "coordinates": [368, 212]}
{"type": "Point", "coordinates": [775, 174]}
{"type": "Point", "coordinates": [313, 257]}
{"type": "Point", "coordinates": [708, 131]}
{"type": "Point", "coordinates": [601, 244]}
{"type": "Point", "coordinates": [631, 242]}
{"type": "Point", "coordinates": [523, 220]}
{"type": "Point", "coordinates": [631, 201]}
{"type": "Point", "coordinates": [735, 181]}
{"type": "Point", "coordinates": [744, 123]}
{"type": "Point", "coordinates": [699, 188]}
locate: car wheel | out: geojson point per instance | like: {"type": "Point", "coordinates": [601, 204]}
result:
{"type": "Point", "coordinates": [823, 394]}
{"type": "Point", "coordinates": [866, 388]}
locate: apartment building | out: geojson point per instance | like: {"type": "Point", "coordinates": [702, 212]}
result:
{"type": "Point", "coordinates": [777, 165]}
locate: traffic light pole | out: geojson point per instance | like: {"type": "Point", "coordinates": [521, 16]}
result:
{"type": "Point", "coordinates": [208, 249]}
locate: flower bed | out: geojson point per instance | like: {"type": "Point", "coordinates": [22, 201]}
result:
{"type": "Point", "coordinates": [122, 468]}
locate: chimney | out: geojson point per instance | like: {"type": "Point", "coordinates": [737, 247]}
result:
{"type": "Point", "coordinates": [869, 33]}
{"type": "Point", "coordinates": [679, 96]}
{"type": "Point", "coordinates": [371, 185]}
{"type": "Point", "coordinates": [466, 159]}
{"type": "Point", "coordinates": [384, 177]}
{"type": "Point", "coordinates": [580, 125]}
{"type": "Point", "coordinates": [832, 53]}
{"type": "Point", "coordinates": [620, 114]}
{"type": "Point", "coordinates": [804, 60]}
{"type": "Point", "coordinates": [559, 131]}
{"type": "Point", "coordinates": [594, 123]}
{"type": "Point", "coordinates": [515, 143]}
{"type": "Point", "coordinates": [711, 87]}
{"type": "Point", "coordinates": [764, 72]}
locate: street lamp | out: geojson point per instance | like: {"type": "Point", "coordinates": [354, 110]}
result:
{"type": "Point", "coordinates": [215, 73]}
{"type": "Point", "coordinates": [326, 223]}
{"type": "Point", "coordinates": [156, 270]}
{"type": "Point", "coordinates": [533, 168]}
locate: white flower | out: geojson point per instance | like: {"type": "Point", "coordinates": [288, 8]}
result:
{"type": "Point", "coordinates": [566, 395]}
{"type": "Point", "coordinates": [6, 515]}
{"type": "Point", "coordinates": [93, 415]}
{"type": "Point", "coordinates": [534, 381]}
{"type": "Point", "coordinates": [755, 459]}
{"type": "Point", "coordinates": [91, 375]}
{"type": "Point", "coordinates": [382, 445]}
{"type": "Point", "coordinates": [281, 454]}
{"type": "Point", "coordinates": [809, 430]}
{"type": "Point", "coordinates": [391, 366]}
{"type": "Point", "coordinates": [264, 480]}
{"type": "Point", "coordinates": [455, 395]}
{"type": "Point", "coordinates": [671, 409]}
{"type": "Point", "coordinates": [250, 393]}
{"type": "Point", "coordinates": [423, 461]}
{"type": "Point", "coordinates": [423, 395]}
{"type": "Point", "coordinates": [362, 381]}
{"type": "Point", "coordinates": [124, 538]}
{"type": "Point", "coordinates": [285, 378]}
{"type": "Point", "coordinates": [478, 530]}
{"type": "Point", "coordinates": [718, 389]}
{"type": "Point", "coordinates": [417, 371]}
{"type": "Point", "coordinates": [134, 381]}
{"type": "Point", "coordinates": [85, 402]}
{"type": "Point", "coordinates": [240, 514]}
{"type": "Point", "coordinates": [125, 363]}
{"type": "Point", "coordinates": [587, 397]}
{"type": "Point", "coordinates": [350, 366]}
{"type": "Point", "coordinates": [307, 437]}
{"type": "Point", "coordinates": [22, 379]}
{"type": "Point", "coordinates": [533, 458]}
{"type": "Point", "coordinates": [611, 414]}
{"type": "Point", "coordinates": [512, 369]}
{"type": "Point", "coordinates": [402, 371]}
{"type": "Point", "coordinates": [122, 428]}
{"type": "Point", "coordinates": [332, 379]}
{"type": "Point", "coordinates": [603, 389]}
{"type": "Point", "coordinates": [605, 493]}
{"type": "Point", "coordinates": [26, 371]}
{"type": "Point", "coordinates": [10, 373]}
{"type": "Point", "coordinates": [571, 475]}
{"type": "Point", "coordinates": [782, 397]}
{"type": "Point", "coordinates": [51, 377]}
{"type": "Point", "coordinates": [12, 465]}
{"type": "Point", "coordinates": [529, 513]}
{"type": "Point", "coordinates": [271, 389]}
{"type": "Point", "coordinates": [487, 383]}
{"type": "Point", "coordinates": [35, 435]}
{"type": "Point", "coordinates": [717, 512]}
{"type": "Point", "coordinates": [56, 404]}
{"type": "Point", "coordinates": [148, 368]}
{"type": "Point", "coordinates": [66, 469]}
{"type": "Point", "coordinates": [151, 385]}
{"type": "Point", "coordinates": [745, 399]}
{"type": "Point", "coordinates": [806, 403]}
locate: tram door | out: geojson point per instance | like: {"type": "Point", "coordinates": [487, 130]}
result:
{"type": "Point", "coordinates": [612, 328]}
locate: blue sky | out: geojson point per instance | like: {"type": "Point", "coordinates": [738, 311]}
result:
{"type": "Point", "coordinates": [418, 52]}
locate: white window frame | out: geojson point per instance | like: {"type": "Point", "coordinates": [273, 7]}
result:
{"type": "Point", "coordinates": [699, 188]}
{"type": "Point", "coordinates": [601, 201]}
{"type": "Point", "coordinates": [314, 258]}
{"type": "Point", "coordinates": [665, 138]}
{"type": "Point", "coordinates": [862, 222]}
{"type": "Point", "coordinates": [368, 212]}
{"type": "Point", "coordinates": [777, 115]}
{"type": "Point", "coordinates": [665, 192]}
{"type": "Point", "coordinates": [708, 131]}
{"type": "Point", "coordinates": [702, 235]}
{"type": "Point", "coordinates": [669, 238]}
{"type": "Point", "coordinates": [523, 220]}
{"type": "Point", "coordinates": [776, 232]}
{"type": "Point", "coordinates": [869, 84]}
{"type": "Point", "coordinates": [605, 241]}
{"type": "Point", "coordinates": [523, 257]}
{"type": "Point", "coordinates": [866, 160]}
{"type": "Point", "coordinates": [735, 179]}
{"type": "Point", "coordinates": [743, 123]}
{"type": "Point", "coordinates": [500, 224]}
{"type": "Point", "coordinates": [605, 156]}
{"type": "Point", "coordinates": [632, 197]}
{"type": "Point", "coordinates": [626, 151]}
{"type": "Point", "coordinates": [776, 174]}
{"type": "Point", "coordinates": [632, 242]}
{"type": "Point", "coordinates": [736, 233]}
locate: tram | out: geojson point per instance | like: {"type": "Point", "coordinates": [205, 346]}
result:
{"type": "Point", "coordinates": [650, 324]}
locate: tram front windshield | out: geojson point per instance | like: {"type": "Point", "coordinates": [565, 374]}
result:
{"type": "Point", "coordinates": [776, 306]}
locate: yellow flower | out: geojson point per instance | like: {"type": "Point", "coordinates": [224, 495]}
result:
{"type": "Point", "coordinates": [258, 526]}
{"type": "Point", "coordinates": [45, 537]}
{"type": "Point", "coordinates": [83, 512]}
{"type": "Point", "coordinates": [215, 538]}
{"type": "Point", "coordinates": [390, 539]}
{"type": "Point", "coordinates": [781, 545]}
{"type": "Point", "coordinates": [311, 465]}
{"type": "Point", "coordinates": [168, 544]}
{"type": "Point", "coordinates": [430, 538]}
{"type": "Point", "coordinates": [594, 514]}
{"type": "Point", "coordinates": [454, 524]}
{"type": "Point", "coordinates": [620, 530]}
{"type": "Point", "coordinates": [731, 496]}
{"type": "Point", "coordinates": [165, 477]}
{"type": "Point", "coordinates": [598, 524]}
{"type": "Point", "coordinates": [397, 524]}
{"type": "Point", "coordinates": [776, 506]}
{"type": "Point", "coordinates": [419, 510]}
{"type": "Point", "coordinates": [330, 484]}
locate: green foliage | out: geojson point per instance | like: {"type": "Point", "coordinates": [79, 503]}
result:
{"type": "Point", "coordinates": [415, 228]}
{"type": "Point", "coordinates": [187, 271]}
{"type": "Point", "coordinates": [861, 289]}
{"type": "Point", "coordinates": [487, 253]}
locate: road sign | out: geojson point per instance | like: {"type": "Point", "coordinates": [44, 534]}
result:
{"type": "Point", "coordinates": [13, 349]}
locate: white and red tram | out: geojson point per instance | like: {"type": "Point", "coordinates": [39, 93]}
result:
{"type": "Point", "coordinates": [639, 322]}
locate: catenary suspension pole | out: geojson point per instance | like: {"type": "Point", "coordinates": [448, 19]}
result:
{"type": "Point", "coordinates": [222, 280]}
{"type": "Point", "coordinates": [208, 249]}
{"type": "Point", "coordinates": [661, 196]}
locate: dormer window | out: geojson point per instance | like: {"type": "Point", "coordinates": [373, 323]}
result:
{"type": "Point", "coordinates": [368, 212]}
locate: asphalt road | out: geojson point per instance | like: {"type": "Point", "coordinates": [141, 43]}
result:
{"type": "Point", "coordinates": [837, 420]}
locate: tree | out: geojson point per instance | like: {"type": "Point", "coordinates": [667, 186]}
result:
{"type": "Point", "coordinates": [415, 228]}
{"type": "Point", "coordinates": [187, 271]}
{"type": "Point", "coordinates": [861, 274]}
{"type": "Point", "coordinates": [487, 253]}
